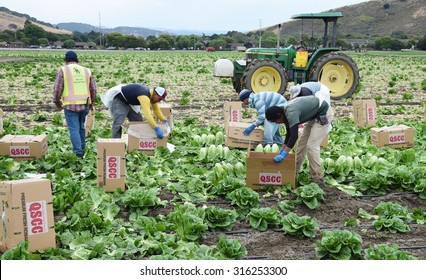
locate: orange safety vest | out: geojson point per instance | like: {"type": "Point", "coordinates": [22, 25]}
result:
{"type": "Point", "coordinates": [76, 84]}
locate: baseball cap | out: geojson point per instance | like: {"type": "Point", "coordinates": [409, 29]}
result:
{"type": "Point", "coordinates": [244, 94]}
{"type": "Point", "coordinates": [294, 91]}
{"type": "Point", "coordinates": [161, 92]}
{"type": "Point", "coordinates": [71, 56]}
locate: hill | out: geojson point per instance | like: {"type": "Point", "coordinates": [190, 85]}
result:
{"type": "Point", "coordinates": [370, 18]}
{"type": "Point", "coordinates": [86, 28]}
{"type": "Point", "coordinates": [10, 20]}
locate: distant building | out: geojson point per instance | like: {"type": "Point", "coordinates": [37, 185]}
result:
{"type": "Point", "coordinates": [85, 46]}
{"type": "Point", "coordinates": [360, 43]}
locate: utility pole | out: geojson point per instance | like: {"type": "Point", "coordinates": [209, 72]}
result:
{"type": "Point", "coordinates": [260, 33]}
{"type": "Point", "coordinates": [100, 30]}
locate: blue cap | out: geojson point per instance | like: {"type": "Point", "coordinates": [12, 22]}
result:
{"type": "Point", "coordinates": [71, 56]}
{"type": "Point", "coordinates": [244, 94]}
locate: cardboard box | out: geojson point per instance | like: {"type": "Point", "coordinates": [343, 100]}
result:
{"type": "Point", "coordinates": [166, 110]}
{"type": "Point", "coordinates": [400, 136]}
{"type": "Point", "coordinates": [142, 137]}
{"type": "Point", "coordinates": [232, 112]}
{"type": "Point", "coordinates": [324, 142]}
{"type": "Point", "coordinates": [27, 214]}
{"type": "Point", "coordinates": [365, 112]}
{"type": "Point", "coordinates": [23, 147]}
{"type": "Point", "coordinates": [236, 138]}
{"type": "Point", "coordinates": [89, 123]}
{"type": "Point", "coordinates": [261, 170]}
{"type": "Point", "coordinates": [111, 164]}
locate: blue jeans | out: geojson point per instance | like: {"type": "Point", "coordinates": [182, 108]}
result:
{"type": "Point", "coordinates": [75, 122]}
{"type": "Point", "coordinates": [120, 111]}
{"type": "Point", "coordinates": [271, 133]}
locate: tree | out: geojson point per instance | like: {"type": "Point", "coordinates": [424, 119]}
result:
{"type": "Point", "coordinates": [34, 31]}
{"type": "Point", "coordinates": [115, 39]}
{"type": "Point", "coordinates": [43, 42]}
{"type": "Point", "coordinates": [218, 44]}
{"type": "Point", "coordinates": [69, 44]}
{"type": "Point", "coordinates": [421, 44]}
{"type": "Point", "coordinates": [163, 44]}
{"type": "Point", "coordinates": [291, 40]}
{"type": "Point", "coordinates": [384, 43]}
{"type": "Point", "coordinates": [170, 39]}
{"type": "Point", "coordinates": [131, 41]}
{"type": "Point", "coordinates": [183, 42]}
{"type": "Point", "coordinates": [269, 42]}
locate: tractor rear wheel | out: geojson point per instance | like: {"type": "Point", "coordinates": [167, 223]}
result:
{"type": "Point", "coordinates": [265, 75]}
{"type": "Point", "coordinates": [338, 72]}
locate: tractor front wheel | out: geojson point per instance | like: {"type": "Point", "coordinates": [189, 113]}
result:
{"type": "Point", "coordinates": [265, 75]}
{"type": "Point", "coordinates": [338, 72]}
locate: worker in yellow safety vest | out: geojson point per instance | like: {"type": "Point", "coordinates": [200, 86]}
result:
{"type": "Point", "coordinates": [74, 91]}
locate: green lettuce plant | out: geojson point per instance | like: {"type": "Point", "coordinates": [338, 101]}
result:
{"type": "Point", "coordinates": [299, 225]}
{"type": "Point", "coordinates": [339, 245]}
{"type": "Point", "coordinates": [264, 218]}
{"type": "Point", "coordinates": [386, 252]}
{"type": "Point", "coordinates": [310, 195]}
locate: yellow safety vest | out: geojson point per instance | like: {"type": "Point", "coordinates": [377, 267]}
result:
{"type": "Point", "coordinates": [76, 84]}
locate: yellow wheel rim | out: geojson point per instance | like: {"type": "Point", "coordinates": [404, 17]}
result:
{"type": "Point", "coordinates": [265, 79]}
{"type": "Point", "coordinates": [337, 76]}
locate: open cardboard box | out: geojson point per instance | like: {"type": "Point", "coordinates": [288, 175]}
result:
{"type": "Point", "coordinates": [261, 170]}
{"type": "Point", "coordinates": [142, 137]}
{"type": "Point", "coordinates": [236, 138]}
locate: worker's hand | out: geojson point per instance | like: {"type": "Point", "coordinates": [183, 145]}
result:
{"type": "Point", "coordinates": [159, 132]}
{"type": "Point", "coordinates": [249, 129]}
{"type": "Point", "coordinates": [166, 122]}
{"type": "Point", "coordinates": [279, 158]}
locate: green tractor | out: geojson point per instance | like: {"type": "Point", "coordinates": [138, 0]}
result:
{"type": "Point", "coordinates": [270, 69]}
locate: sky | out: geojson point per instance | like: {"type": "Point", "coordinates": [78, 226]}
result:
{"type": "Point", "coordinates": [202, 15]}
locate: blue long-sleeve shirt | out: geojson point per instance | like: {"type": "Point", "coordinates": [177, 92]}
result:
{"type": "Point", "coordinates": [264, 100]}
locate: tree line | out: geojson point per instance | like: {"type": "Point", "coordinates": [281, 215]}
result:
{"type": "Point", "coordinates": [32, 34]}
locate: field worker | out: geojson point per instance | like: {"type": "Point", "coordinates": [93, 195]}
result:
{"type": "Point", "coordinates": [302, 110]}
{"type": "Point", "coordinates": [126, 101]}
{"type": "Point", "coordinates": [312, 88]}
{"type": "Point", "coordinates": [74, 91]}
{"type": "Point", "coordinates": [262, 101]}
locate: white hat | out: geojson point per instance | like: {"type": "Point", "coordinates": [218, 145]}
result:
{"type": "Point", "coordinates": [294, 91]}
{"type": "Point", "coordinates": [161, 92]}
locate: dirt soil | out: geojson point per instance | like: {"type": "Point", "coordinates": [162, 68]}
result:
{"type": "Point", "coordinates": [334, 210]}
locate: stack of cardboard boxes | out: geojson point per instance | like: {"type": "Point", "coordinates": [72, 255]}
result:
{"type": "Point", "coordinates": [234, 128]}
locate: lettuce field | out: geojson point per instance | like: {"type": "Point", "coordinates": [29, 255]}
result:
{"type": "Point", "coordinates": [193, 203]}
